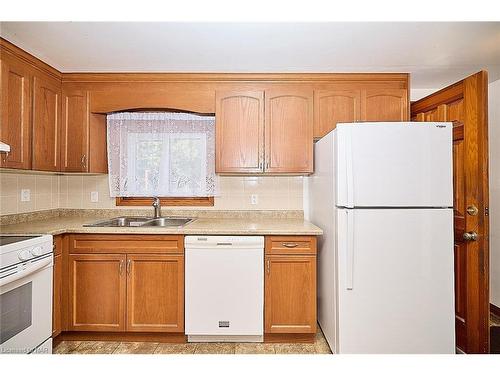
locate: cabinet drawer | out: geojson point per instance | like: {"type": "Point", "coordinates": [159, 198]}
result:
{"type": "Point", "coordinates": [286, 245]}
{"type": "Point", "coordinates": [125, 243]}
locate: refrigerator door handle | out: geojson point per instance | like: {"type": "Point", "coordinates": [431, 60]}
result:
{"type": "Point", "coordinates": [349, 170]}
{"type": "Point", "coordinates": [350, 250]}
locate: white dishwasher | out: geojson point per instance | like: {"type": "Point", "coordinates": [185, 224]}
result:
{"type": "Point", "coordinates": [224, 294]}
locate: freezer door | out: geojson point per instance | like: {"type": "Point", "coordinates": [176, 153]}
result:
{"type": "Point", "coordinates": [395, 281]}
{"type": "Point", "coordinates": [394, 165]}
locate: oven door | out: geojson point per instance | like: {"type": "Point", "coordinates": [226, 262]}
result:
{"type": "Point", "coordinates": [26, 307]}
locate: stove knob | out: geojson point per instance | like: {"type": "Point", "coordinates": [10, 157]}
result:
{"type": "Point", "coordinates": [24, 255]}
{"type": "Point", "coordinates": [36, 251]}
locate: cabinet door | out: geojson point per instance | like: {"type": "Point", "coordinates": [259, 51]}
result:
{"type": "Point", "coordinates": [97, 292]}
{"type": "Point", "coordinates": [239, 125]}
{"type": "Point", "coordinates": [15, 114]}
{"type": "Point", "coordinates": [46, 124]}
{"type": "Point", "coordinates": [75, 131]}
{"type": "Point", "coordinates": [334, 106]}
{"type": "Point", "coordinates": [290, 294]}
{"type": "Point", "coordinates": [289, 131]}
{"type": "Point", "coordinates": [384, 105]}
{"type": "Point", "coordinates": [155, 293]}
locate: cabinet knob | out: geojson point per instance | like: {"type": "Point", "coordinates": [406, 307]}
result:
{"type": "Point", "coordinates": [83, 160]}
{"type": "Point", "coordinates": [290, 245]}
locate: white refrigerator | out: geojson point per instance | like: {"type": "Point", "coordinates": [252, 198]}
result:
{"type": "Point", "coordinates": [383, 195]}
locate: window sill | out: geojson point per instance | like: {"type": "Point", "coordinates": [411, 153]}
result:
{"type": "Point", "coordinates": [185, 201]}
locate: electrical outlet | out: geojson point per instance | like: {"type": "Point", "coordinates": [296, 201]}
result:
{"type": "Point", "coordinates": [25, 195]}
{"type": "Point", "coordinates": [94, 196]}
{"type": "Point", "coordinates": [254, 199]}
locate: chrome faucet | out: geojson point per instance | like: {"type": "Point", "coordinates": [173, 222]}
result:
{"type": "Point", "coordinates": [157, 207]}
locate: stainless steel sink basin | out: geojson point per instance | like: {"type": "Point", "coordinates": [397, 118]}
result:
{"type": "Point", "coordinates": [167, 222]}
{"type": "Point", "coordinates": [128, 221]}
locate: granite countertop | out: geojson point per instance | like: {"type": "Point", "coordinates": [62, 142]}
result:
{"type": "Point", "coordinates": [214, 226]}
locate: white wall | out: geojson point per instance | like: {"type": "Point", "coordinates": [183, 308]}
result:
{"type": "Point", "coordinates": [416, 94]}
{"type": "Point", "coordinates": [494, 147]}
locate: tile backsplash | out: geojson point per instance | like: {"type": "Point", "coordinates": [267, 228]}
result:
{"type": "Point", "coordinates": [44, 192]}
{"type": "Point", "coordinates": [74, 191]}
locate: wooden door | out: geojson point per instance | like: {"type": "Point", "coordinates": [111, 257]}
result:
{"type": "Point", "coordinates": [57, 287]}
{"type": "Point", "coordinates": [97, 292]}
{"type": "Point", "coordinates": [334, 106]}
{"type": "Point", "coordinates": [46, 123]}
{"type": "Point", "coordinates": [75, 131]}
{"type": "Point", "coordinates": [384, 105]}
{"type": "Point", "coordinates": [289, 131]}
{"type": "Point", "coordinates": [290, 294]}
{"type": "Point", "coordinates": [239, 122]}
{"type": "Point", "coordinates": [15, 114]}
{"type": "Point", "coordinates": [155, 293]}
{"type": "Point", "coordinates": [465, 104]}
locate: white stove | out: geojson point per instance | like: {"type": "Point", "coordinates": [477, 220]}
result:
{"type": "Point", "coordinates": [26, 263]}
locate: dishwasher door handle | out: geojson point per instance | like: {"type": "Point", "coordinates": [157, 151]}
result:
{"type": "Point", "coordinates": [224, 244]}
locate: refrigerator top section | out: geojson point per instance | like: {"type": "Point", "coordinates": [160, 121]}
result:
{"type": "Point", "coordinates": [394, 164]}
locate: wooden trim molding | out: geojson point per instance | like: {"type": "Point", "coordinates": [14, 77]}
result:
{"type": "Point", "coordinates": [234, 77]}
{"type": "Point", "coordinates": [306, 338]}
{"type": "Point", "coordinates": [174, 338]}
{"type": "Point", "coordinates": [8, 47]}
{"type": "Point", "coordinates": [165, 201]}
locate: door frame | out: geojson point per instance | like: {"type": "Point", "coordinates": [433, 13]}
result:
{"type": "Point", "coordinates": [474, 91]}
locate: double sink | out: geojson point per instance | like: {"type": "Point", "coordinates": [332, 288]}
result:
{"type": "Point", "coordinates": [141, 221]}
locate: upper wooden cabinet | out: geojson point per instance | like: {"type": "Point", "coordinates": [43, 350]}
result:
{"type": "Point", "coordinates": [46, 123]}
{"type": "Point", "coordinates": [265, 123]}
{"type": "Point", "coordinates": [264, 131]}
{"type": "Point", "coordinates": [75, 131]}
{"type": "Point", "coordinates": [239, 131]}
{"type": "Point", "coordinates": [334, 106]}
{"type": "Point", "coordinates": [15, 114]}
{"type": "Point", "coordinates": [289, 131]}
{"type": "Point", "coordinates": [384, 105]}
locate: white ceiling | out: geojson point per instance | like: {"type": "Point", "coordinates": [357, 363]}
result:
{"type": "Point", "coordinates": [435, 53]}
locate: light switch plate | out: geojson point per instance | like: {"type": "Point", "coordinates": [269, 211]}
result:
{"type": "Point", "coordinates": [94, 196]}
{"type": "Point", "coordinates": [254, 199]}
{"type": "Point", "coordinates": [25, 195]}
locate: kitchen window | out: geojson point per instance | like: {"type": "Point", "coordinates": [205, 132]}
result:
{"type": "Point", "coordinates": [162, 154]}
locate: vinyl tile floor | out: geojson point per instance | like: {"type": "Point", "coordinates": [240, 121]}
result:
{"type": "Point", "coordinates": [320, 346]}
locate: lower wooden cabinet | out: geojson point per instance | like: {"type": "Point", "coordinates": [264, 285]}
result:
{"type": "Point", "coordinates": [290, 285]}
{"type": "Point", "coordinates": [57, 290]}
{"type": "Point", "coordinates": [97, 292]}
{"type": "Point", "coordinates": [155, 293]}
{"type": "Point", "coordinates": [128, 289]}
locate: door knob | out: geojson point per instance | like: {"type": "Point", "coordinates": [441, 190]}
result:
{"type": "Point", "coordinates": [470, 236]}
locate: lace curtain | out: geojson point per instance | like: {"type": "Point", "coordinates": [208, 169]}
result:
{"type": "Point", "coordinates": [161, 154]}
